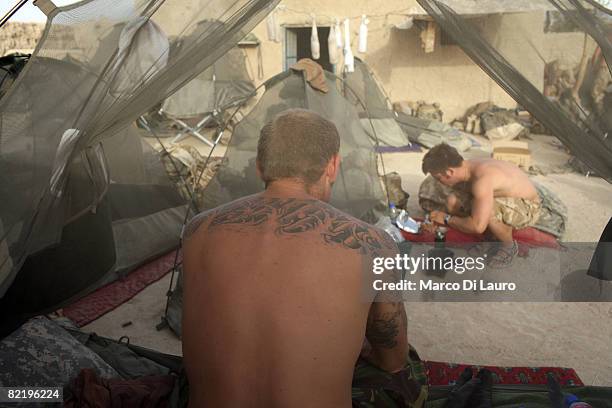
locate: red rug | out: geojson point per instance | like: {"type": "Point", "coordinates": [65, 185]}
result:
{"type": "Point", "coordinates": [526, 237]}
{"type": "Point", "coordinates": [447, 373]}
{"type": "Point", "coordinates": [108, 297]}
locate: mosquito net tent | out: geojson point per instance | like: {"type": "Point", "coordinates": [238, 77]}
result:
{"type": "Point", "coordinates": [134, 217]}
{"type": "Point", "coordinates": [224, 84]}
{"type": "Point", "coordinates": [372, 106]}
{"type": "Point", "coordinates": [66, 203]}
{"type": "Point", "coordinates": [358, 190]}
{"type": "Point", "coordinates": [575, 102]}
{"type": "Point", "coordinates": [395, 128]}
{"type": "Point", "coordinates": [365, 87]}
{"type": "Point", "coordinates": [204, 102]}
{"type": "Point", "coordinates": [10, 67]}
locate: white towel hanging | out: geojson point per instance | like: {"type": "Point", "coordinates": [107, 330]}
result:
{"type": "Point", "coordinates": [349, 59]}
{"type": "Point", "coordinates": [363, 34]}
{"type": "Point", "coordinates": [332, 47]}
{"type": "Point", "coordinates": [315, 47]}
{"type": "Point", "coordinates": [338, 35]}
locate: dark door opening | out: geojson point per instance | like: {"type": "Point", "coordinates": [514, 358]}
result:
{"type": "Point", "coordinates": [297, 46]}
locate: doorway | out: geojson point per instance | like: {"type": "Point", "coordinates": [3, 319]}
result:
{"type": "Point", "coordinates": [297, 46]}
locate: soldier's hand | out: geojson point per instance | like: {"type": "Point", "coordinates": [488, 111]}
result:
{"type": "Point", "coordinates": [437, 217]}
{"type": "Point", "coordinates": [429, 227]}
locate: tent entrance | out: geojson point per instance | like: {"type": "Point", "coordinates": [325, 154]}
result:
{"type": "Point", "coordinates": [297, 46]}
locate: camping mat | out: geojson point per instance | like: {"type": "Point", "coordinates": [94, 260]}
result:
{"type": "Point", "coordinates": [439, 373]}
{"type": "Point", "coordinates": [118, 292]}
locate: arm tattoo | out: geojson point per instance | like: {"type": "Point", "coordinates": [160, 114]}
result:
{"type": "Point", "coordinates": [382, 329]}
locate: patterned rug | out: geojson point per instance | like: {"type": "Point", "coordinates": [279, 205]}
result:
{"type": "Point", "coordinates": [527, 236]}
{"type": "Point", "coordinates": [447, 373]}
{"type": "Point", "coordinates": [109, 297]}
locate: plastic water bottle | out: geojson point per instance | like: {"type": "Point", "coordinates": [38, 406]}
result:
{"type": "Point", "coordinates": [393, 212]}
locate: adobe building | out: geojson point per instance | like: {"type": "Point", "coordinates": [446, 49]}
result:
{"type": "Point", "coordinates": [410, 69]}
{"type": "Point", "coordinates": [410, 55]}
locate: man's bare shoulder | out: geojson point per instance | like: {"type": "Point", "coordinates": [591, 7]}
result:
{"type": "Point", "coordinates": [504, 178]}
{"type": "Point", "coordinates": [355, 234]}
{"type": "Point", "coordinates": [485, 174]}
{"type": "Point", "coordinates": [493, 167]}
{"type": "Point", "coordinates": [204, 218]}
{"type": "Point", "coordinates": [196, 222]}
{"type": "Point", "coordinates": [292, 217]}
{"type": "Point", "coordinates": [483, 168]}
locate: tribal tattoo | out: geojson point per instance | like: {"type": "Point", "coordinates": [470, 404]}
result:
{"type": "Point", "coordinates": [195, 223]}
{"type": "Point", "coordinates": [247, 212]}
{"type": "Point", "coordinates": [295, 216]}
{"type": "Point", "coordinates": [352, 235]}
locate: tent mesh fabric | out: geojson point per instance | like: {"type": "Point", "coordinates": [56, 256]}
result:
{"type": "Point", "coordinates": [220, 86]}
{"type": "Point", "coordinates": [577, 115]}
{"type": "Point", "coordinates": [378, 120]}
{"type": "Point", "coordinates": [101, 243]}
{"type": "Point", "coordinates": [99, 65]}
{"type": "Point", "coordinates": [366, 89]}
{"type": "Point", "coordinates": [358, 189]}
{"type": "Point", "coordinates": [392, 128]}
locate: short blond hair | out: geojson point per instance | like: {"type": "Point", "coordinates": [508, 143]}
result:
{"type": "Point", "coordinates": [298, 144]}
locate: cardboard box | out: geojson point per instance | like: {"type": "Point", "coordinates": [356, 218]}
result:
{"type": "Point", "coordinates": [514, 152]}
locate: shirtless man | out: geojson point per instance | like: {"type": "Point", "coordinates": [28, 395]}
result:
{"type": "Point", "coordinates": [274, 311]}
{"type": "Point", "coordinates": [501, 197]}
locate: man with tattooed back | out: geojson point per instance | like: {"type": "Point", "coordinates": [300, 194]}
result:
{"type": "Point", "coordinates": [274, 311]}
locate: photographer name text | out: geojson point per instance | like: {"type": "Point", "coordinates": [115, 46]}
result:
{"type": "Point", "coordinates": [433, 286]}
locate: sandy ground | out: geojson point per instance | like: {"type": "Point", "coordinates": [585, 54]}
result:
{"type": "Point", "coordinates": [574, 335]}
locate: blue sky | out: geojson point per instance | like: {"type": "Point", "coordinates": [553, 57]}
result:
{"type": "Point", "coordinates": [29, 12]}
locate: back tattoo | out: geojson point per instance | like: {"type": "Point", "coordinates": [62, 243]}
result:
{"type": "Point", "coordinates": [294, 216]}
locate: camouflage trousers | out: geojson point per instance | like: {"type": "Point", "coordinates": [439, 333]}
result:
{"type": "Point", "coordinates": [515, 212]}
{"type": "Point", "coordinates": [371, 388]}
{"type": "Point", "coordinates": [375, 388]}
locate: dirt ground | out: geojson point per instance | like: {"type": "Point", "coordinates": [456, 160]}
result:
{"type": "Point", "coordinates": [574, 335]}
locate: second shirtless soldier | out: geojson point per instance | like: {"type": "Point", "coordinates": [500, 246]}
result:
{"type": "Point", "coordinates": [489, 195]}
{"type": "Point", "coordinates": [274, 313]}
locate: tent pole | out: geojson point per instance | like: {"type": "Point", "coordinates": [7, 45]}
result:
{"type": "Point", "coordinates": [12, 11]}
{"type": "Point", "coordinates": [46, 6]}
